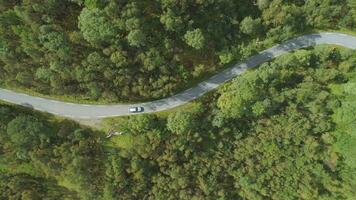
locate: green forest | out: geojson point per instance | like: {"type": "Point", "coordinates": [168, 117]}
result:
{"type": "Point", "coordinates": [283, 131]}
{"type": "Point", "coordinates": [136, 50]}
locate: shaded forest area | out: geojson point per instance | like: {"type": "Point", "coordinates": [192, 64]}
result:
{"type": "Point", "coordinates": [283, 131]}
{"type": "Point", "coordinates": [135, 50]}
{"type": "Point", "coordinates": [43, 158]}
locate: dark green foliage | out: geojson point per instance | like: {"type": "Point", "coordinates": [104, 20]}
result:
{"type": "Point", "coordinates": [27, 133]}
{"type": "Point", "coordinates": [25, 187]}
{"type": "Point", "coordinates": [282, 131]}
{"type": "Point", "coordinates": [41, 159]}
{"type": "Point", "coordinates": [96, 26]}
{"type": "Point", "coordinates": [137, 50]}
{"type": "Point", "coordinates": [271, 134]}
{"type": "Point", "coordinates": [251, 26]}
{"type": "Point", "coordinates": [181, 122]}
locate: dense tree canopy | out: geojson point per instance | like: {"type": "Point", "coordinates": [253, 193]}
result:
{"type": "Point", "coordinates": [45, 159]}
{"type": "Point", "coordinates": [282, 131]}
{"type": "Point", "coordinates": [139, 49]}
{"type": "Point", "coordinates": [96, 27]}
{"type": "Point", "coordinates": [195, 38]}
{"type": "Point", "coordinates": [26, 133]}
{"type": "Point", "coordinates": [251, 26]}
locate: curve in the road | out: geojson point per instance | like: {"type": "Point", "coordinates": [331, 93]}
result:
{"type": "Point", "coordinates": [81, 111]}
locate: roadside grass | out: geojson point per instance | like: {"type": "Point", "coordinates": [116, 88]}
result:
{"type": "Point", "coordinates": [65, 98]}
{"type": "Point", "coordinates": [4, 102]}
{"type": "Point", "coordinates": [220, 68]}
{"type": "Point", "coordinates": [108, 123]}
{"type": "Point", "coordinates": [127, 140]}
{"type": "Point", "coordinates": [22, 109]}
{"type": "Point", "coordinates": [212, 70]}
{"type": "Point", "coordinates": [346, 31]}
{"type": "Point", "coordinates": [54, 119]}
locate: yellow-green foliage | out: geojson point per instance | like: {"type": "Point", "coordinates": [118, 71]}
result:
{"type": "Point", "coordinates": [345, 118]}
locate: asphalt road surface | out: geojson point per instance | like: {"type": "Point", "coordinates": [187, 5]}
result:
{"type": "Point", "coordinates": [82, 111]}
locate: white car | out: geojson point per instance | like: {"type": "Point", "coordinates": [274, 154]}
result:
{"type": "Point", "coordinates": [137, 109]}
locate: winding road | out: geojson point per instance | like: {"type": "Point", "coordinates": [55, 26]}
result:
{"type": "Point", "coordinates": [82, 111]}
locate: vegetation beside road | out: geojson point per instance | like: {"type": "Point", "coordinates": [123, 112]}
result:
{"type": "Point", "coordinates": [116, 51]}
{"type": "Point", "coordinates": [43, 157]}
{"type": "Point", "coordinates": [281, 131]}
